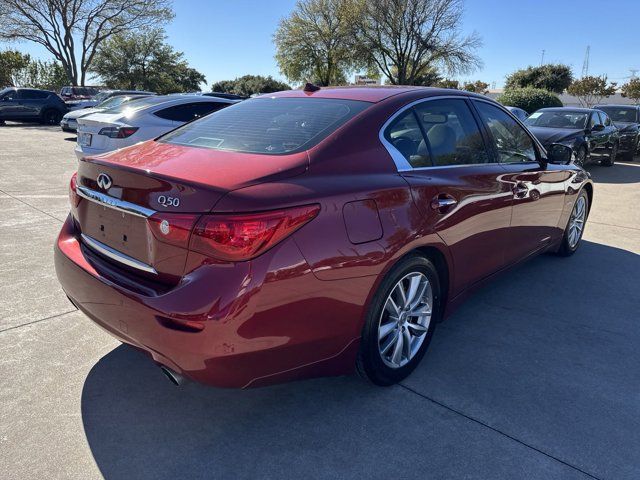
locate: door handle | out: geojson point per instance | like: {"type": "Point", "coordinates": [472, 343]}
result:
{"type": "Point", "coordinates": [443, 202]}
{"type": "Point", "coordinates": [520, 190]}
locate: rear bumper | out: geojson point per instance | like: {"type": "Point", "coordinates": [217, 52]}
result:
{"type": "Point", "coordinates": [265, 321]}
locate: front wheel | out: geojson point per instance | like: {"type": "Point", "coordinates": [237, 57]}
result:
{"type": "Point", "coordinates": [400, 322]}
{"type": "Point", "coordinates": [581, 156]}
{"type": "Point", "coordinates": [612, 157]}
{"type": "Point", "coordinates": [575, 227]}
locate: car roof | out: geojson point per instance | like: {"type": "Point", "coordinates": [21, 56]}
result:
{"type": "Point", "coordinates": [372, 94]}
{"type": "Point", "coordinates": [617, 106]}
{"type": "Point", "coordinates": [567, 109]}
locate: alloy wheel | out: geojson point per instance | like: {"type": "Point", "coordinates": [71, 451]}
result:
{"type": "Point", "coordinates": [405, 320]}
{"type": "Point", "coordinates": [576, 222]}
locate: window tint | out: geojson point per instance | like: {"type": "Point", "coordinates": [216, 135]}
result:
{"type": "Point", "coordinates": [452, 134]}
{"type": "Point", "coordinates": [33, 95]}
{"type": "Point", "coordinates": [189, 111]}
{"type": "Point", "coordinates": [9, 95]}
{"type": "Point", "coordinates": [268, 125]}
{"type": "Point", "coordinates": [405, 135]}
{"type": "Point", "coordinates": [513, 144]}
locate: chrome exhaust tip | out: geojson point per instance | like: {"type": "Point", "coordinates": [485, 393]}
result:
{"type": "Point", "coordinates": [173, 377]}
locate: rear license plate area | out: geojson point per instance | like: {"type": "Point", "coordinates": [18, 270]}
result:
{"type": "Point", "coordinates": [84, 139]}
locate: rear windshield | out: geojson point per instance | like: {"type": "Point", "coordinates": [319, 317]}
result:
{"type": "Point", "coordinates": [268, 125]}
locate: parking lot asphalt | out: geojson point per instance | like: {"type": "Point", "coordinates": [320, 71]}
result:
{"type": "Point", "coordinates": [536, 376]}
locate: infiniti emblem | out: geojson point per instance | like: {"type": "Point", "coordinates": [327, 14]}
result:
{"type": "Point", "coordinates": [104, 181]}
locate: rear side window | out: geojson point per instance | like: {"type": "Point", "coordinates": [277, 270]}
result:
{"type": "Point", "coordinates": [268, 125]}
{"type": "Point", "coordinates": [189, 111]}
{"type": "Point", "coordinates": [438, 133]}
{"type": "Point", "coordinates": [33, 95]}
{"type": "Point", "coordinates": [513, 144]}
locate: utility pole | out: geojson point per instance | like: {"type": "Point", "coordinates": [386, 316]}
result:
{"type": "Point", "coordinates": [542, 58]}
{"type": "Point", "coordinates": [585, 65]}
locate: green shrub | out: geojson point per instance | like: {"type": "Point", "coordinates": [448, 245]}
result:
{"type": "Point", "coordinates": [529, 99]}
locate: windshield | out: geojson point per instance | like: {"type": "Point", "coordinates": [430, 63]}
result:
{"type": "Point", "coordinates": [139, 103]}
{"type": "Point", "coordinates": [268, 125]}
{"type": "Point", "coordinates": [115, 101]}
{"type": "Point", "coordinates": [558, 119]}
{"type": "Point", "coordinates": [101, 96]}
{"type": "Point", "coordinates": [620, 114]}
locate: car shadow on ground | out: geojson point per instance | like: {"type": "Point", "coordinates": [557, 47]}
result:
{"type": "Point", "coordinates": [32, 126]}
{"type": "Point", "coordinates": [139, 425]}
{"type": "Point", "coordinates": [621, 172]}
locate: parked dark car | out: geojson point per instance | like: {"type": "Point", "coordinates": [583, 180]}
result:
{"type": "Point", "coordinates": [311, 232]}
{"type": "Point", "coordinates": [78, 93]}
{"type": "Point", "coordinates": [29, 105]}
{"type": "Point", "coordinates": [101, 97]}
{"type": "Point", "coordinates": [589, 133]}
{"type": "Point", "coordinates": [519, 113]}
{"type": "Point", "coordinates": [627, 119]}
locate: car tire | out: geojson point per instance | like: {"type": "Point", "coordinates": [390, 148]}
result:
{"type": "Point", "coordinates": [581, 156]}
{"type": "Point", "coordinates": [609, 162]}
{"type": "Point", "coordinates": [390, 322]}
{"type": "Point", "coordinates": [51, 117]}
{"type": "Point", "coordinates": [580, 209]}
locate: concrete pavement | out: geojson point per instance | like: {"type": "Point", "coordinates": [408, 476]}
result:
{"type": "Point", "coordinates": [537, 376]}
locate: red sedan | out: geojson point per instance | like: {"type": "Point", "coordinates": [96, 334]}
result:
{"type": "Point", "coordinates": [312, 232]}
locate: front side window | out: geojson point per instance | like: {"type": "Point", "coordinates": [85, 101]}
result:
{"type": "Point", "coordinates": [268, 125]}
{"type": "Point", "coordinates": [595, 120]}
{"type": "Point", "coordinates": [452, 134]}
{"type": "Point", "coordinates": [606, 121]}
{"type": "Point", "coordinates": [513, 144]}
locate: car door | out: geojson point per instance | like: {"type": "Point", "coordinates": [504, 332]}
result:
{"type": "Point", "coordinates": [11, 106]}
{"type": "Point", "coordinates": [32, 102]}
{"type": "Point", "coordinates": [597, 136]}
{"type": "Point", "coordinates": [538, 188]}
{"type": "Point", "coordinates": [455, 183]}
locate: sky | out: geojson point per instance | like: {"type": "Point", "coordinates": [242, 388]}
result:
{"type": "Point", "coordinates": [224, 40]}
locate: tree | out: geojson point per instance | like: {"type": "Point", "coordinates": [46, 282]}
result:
{"type": "Point", "coordinates": [529, 99]}
{"type": "Point", "coordinates": [554, 78]}
{"type": "Point", "coordinates": [248, 85]}
{"type": "Point", "coordinates": [42, 75]}
{"type": "Point", "coordinates": [11, 62]}
{"type": "Point", "coordinates": [477, 87]}
{"type": "Point", "coordinates": [69, 29]}
{"type": "Point", "coordinates": [316, 42]}
{"type": "Point", "coordinates": [453, 84]}
{"type": "Point", "coordinates": [631, 90]}
{"type": "Point", "coordinates": [144, 61]}
{"type": "Point", "coordinates": [404, 38]}
{"type": "Point", "coordinates": [591, 90]}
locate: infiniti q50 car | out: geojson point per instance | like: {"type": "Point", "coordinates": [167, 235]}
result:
{"type": "Point", "coordinates": [311, 232]}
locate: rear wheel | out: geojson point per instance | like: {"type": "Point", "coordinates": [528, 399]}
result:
{"type": "Point", "coordinates": [400, 322]}
{"type": "Point", "coordinates": [612, 157]}
{"type": "Point", "coordinates": [51, 117]}
{"type": "Point", "coordinates": [575, 227]}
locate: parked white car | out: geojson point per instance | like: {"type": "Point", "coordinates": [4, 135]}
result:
{"type": "Point", "coordinates": [69, 122]}
{"type": "Point", "coordinates": [140, 120]}
{"type": "Point", "coordinates": [73, 105]}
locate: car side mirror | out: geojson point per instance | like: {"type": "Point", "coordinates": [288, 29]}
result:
{"type": "Point", "coordinates": [597, 128]}
{"type": "Point", "coordinates": [560, 154]}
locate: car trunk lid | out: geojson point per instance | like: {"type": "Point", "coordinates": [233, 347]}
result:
{"type": "Point", "coordinates": [126, 195]}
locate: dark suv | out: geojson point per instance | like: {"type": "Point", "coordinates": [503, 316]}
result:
{"type": "Point", "coordinates": [28, 104]}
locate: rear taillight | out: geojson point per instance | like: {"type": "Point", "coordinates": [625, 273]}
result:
{"type": "Point", "coordinates": [243, 237]}
{"type": "Point", "coordinates": [173, 228]}
{"type": "Point", "coordinates": [118, 132]}
{"type": "Point", "coordinates": [74, 198]}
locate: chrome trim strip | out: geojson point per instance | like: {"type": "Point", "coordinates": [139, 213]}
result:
{"type": "Point", "coordinates": [116, 255]}
{"type": "Point", "coordinates": [114, 203]}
